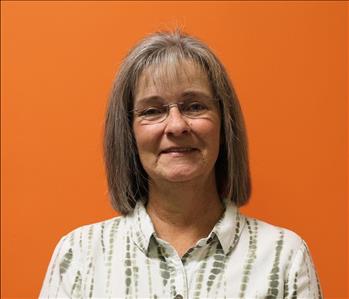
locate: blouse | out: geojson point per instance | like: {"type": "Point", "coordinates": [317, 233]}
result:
{"type": "Point", "coordinates": [123, 257]}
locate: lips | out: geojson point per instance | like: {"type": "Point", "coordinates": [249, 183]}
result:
{"type": "Point", "coordinates": [178, 150]}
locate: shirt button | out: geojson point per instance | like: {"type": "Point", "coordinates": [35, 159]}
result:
{"type": "Point", "coordinates": [178, 296]}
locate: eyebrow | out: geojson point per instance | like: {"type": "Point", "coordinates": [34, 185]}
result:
{"type": "Point", "coordinates": [151, 99]}
{"type": "Point", "coordinates": [185, 94]}
{"type": "Point", "coordinates": [195, 94]}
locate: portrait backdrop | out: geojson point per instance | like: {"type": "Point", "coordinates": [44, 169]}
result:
{"type": "Point", "coordinates": [287, 60]}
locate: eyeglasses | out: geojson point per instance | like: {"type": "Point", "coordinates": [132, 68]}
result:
{"type": "Point", "coordinates": [157, 113]}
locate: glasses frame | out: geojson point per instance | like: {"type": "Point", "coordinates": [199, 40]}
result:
{"type": "Point", "coordinates": [138, 112]}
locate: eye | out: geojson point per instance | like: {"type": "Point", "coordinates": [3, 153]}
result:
{"type": "Point", "coordinates": [152, 112]}
{"type": "Point", "coordinates": [195, 107]}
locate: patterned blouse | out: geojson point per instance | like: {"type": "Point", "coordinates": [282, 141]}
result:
{"type": "Point", "coordinates": [123, 258]}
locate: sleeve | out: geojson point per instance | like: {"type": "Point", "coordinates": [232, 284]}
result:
{"type": "Point", "coordinates": [63, 278]}
{"type": "Point", "coordinates": [302, 280]}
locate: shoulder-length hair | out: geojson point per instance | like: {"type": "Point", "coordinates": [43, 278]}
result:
{"type": "Point", "coordinates": [127, 180]}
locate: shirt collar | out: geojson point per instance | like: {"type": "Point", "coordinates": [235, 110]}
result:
{"type": "Point", "coordinates": [141, 227]}
{"type": "Point", "coordinates": [227, 229]}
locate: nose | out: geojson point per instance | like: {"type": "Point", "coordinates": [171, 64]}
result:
{"type": "Point", "coordinates": [176, 124]}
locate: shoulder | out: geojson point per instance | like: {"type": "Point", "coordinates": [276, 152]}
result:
{"type": "Point", "coordinates": [273, 238]}
{"type": "Point", "coordinates": [89, 229]}
{"type": "Point", "coordinates": [78, 252]}
{"type": "Point", "coordinates": [278, 252]}
{"type": "Point", "coordinates": [269, 232]}
{"type": "Point", "coordinates": [87, 236]}
{"type": "Point", "coordinates": [95, 230]}
{"type": "Point", "coordinates": [84, 242]}
{"type": "Point", "coordinates": [280, 247]}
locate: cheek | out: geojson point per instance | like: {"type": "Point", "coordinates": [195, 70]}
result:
{"type": "Point", "coordinates": [209, 132]}
{"type": "Point", "coordinates": [146, 138]}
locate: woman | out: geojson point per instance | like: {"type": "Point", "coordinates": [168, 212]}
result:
{"type": "Point", "coordinates": [177, 169]}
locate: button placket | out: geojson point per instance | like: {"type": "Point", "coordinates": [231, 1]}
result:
{"type": "Point", "coordinates": [180, 277]}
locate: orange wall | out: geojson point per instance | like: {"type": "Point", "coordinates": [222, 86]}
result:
{"type": "Point", "coordinates": [288, 61]}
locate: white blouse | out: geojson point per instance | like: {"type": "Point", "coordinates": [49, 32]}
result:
{"type": "Point", "coordinates": [123, 258]}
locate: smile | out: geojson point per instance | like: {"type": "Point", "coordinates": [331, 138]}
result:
{"type": "Point", "coordinates": [178, 150]}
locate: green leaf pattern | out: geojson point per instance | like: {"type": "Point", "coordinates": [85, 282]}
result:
{"type": "Point", "coordinates": [274, 276]}
{"type": "Point", "coordinates": [251, 256]}
{"type": "Point", "coordinates": [114, 259]}
{"type": "Point", "coordinates": [67, 258]}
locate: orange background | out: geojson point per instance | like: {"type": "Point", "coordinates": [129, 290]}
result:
{"type": "Point", "coordinates": [288, 61]}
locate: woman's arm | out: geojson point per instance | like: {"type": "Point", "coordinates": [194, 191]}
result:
{"type": "Point", "coordinates": [62, 279]}
{"type": "Point", "coordinates": [302, 280]}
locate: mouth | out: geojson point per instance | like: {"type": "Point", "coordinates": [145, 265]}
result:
{"type": "Point", "coordinates": [178, 150]}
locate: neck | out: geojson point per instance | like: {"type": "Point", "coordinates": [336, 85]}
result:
{"type": "Point", "coordinates": [189, 210]}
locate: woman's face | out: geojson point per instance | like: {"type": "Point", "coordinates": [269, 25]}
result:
{"type": "Point", "coordinates": [180, 148]}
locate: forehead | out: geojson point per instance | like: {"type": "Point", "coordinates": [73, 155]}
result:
{"type": "Point", "coordinates": [171, 79]}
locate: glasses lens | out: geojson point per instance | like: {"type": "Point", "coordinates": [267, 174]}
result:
{"type": "Point", "coordinates": [154, 114]}
{"type": "Point", "coordinates": [194, 108]}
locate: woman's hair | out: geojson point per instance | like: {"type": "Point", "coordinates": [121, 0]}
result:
{"type": "Point", "coordinates": [127, 180]}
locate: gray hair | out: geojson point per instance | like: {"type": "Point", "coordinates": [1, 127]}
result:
{"type": "Point", "coordinates": [127, 180]}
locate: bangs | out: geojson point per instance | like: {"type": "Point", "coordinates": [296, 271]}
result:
{"type": "Point", "coordinates": [167, 67]}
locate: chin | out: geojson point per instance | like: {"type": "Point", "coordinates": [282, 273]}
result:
{"type": "Point", "coordinates": [182, 175]}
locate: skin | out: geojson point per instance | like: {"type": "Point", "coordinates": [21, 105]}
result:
{"type": "Point", "coordinates": [183, 199]}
